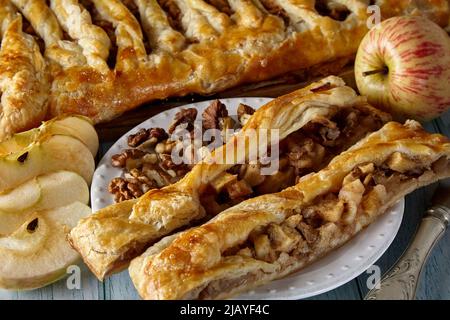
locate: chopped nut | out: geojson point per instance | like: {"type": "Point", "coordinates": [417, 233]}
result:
{"type": "Point", "coordinates": [150, 158]}
{"type": "Point", "coordinates": [165, 147]}
{"type": "Point", "coordinates": [309, 233]}
{"type": "Point", "coordinates": [147, 138]}
{"type": "Point", "coordinates": [172, 173]}
{"type": "Point", "coordinates": [134, 173]}
{"type": "Point", "coordinates": [329, 133]}
{"type": "Point", "coordinates": [120, 160]}
{"type": "Point", "coordinates": [185, 116]}
{"type": "Point", "coordinates": [213, 114]}
{"type": "Point", "coordinates": [304, 153]}
{"type": "Point", "coordinates": [125, 189]}
{"type": "Point", "coordinates": [136, 139]}
{"type": "Point", "coordinates": [159, 177]}
{"type": "Point", "coordinates": [159, 133]}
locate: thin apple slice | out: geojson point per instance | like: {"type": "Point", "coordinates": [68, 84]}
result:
{"type": "Point", "coordinates": [36, 259]}
{"type": "Point", "coordinates": [78, 127]}
{"type": "Point", "coordinates": [56, 189]}
{"type": "Point", "coordinates": [55, 153]}
{"type": "Point", "coordinates": [24, 196]}
{"type": "Point", "coordinates": [61, 188]}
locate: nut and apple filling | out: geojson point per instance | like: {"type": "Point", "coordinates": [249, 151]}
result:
{"type": "Point", "coordinates": [148, 163]}
{"type": "Point", "coordinates": [327, 221]}
{"type": "Point", "coordinates": [306, 150]}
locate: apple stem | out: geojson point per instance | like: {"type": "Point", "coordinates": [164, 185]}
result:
{"type": "Point", "coordinates": [382, 70]}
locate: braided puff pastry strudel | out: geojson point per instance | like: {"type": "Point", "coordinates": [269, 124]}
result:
{"type": "Point", "coordinates": [321, 120]}
{"type": "Point", "coordinates": [105, 57]}
{"type": "Point", "coordinates": [270, 236]}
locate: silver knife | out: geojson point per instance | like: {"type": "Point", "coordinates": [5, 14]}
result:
{"type": "Point", "coordinates": [400, 282]}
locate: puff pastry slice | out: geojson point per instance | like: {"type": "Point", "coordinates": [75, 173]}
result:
{"type": "Point", "coordinates": [24, 77]}
{"type": "Point", "coordinates": [109, 239]}
{"type": "Point", "coordinates": [270, 236]}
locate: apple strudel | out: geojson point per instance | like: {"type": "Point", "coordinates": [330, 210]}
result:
{"type": "Point", "coordinates": [320, 121]}
{"type": "Point", "coordinates": [270, 236]}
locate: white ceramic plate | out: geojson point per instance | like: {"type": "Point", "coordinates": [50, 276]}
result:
{"type": "Point", "coordinates": [337, 268]}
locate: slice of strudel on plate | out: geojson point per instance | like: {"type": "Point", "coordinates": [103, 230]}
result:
{"type": "Point", "coordinates": [270, 236]}
{"type": "Point", "coordinates": [313, 124]}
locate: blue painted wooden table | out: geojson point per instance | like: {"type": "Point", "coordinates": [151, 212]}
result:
{"type": "Point", "coordinates": [434, 284]}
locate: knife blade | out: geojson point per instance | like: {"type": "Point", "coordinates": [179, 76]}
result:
{"type": "Point", "coordinates": [400, 282]}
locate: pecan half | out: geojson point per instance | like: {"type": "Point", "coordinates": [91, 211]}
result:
{"type": "Point", "coordinates": [154, 134]}
{"type": "Point", "coordinates": [120, 160]}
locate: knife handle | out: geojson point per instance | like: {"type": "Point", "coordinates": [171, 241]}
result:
{"type": "Point", "coordinates": [400, 282]}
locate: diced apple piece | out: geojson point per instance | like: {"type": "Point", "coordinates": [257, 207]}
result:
{"type": "Point", "coordinates": [55, 153]}
{"type": "Point", "coordinates": [54, 189]}
{"type": "Point", "coordinates": [33, 257]}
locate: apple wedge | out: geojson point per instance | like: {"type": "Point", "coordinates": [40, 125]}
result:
{"type": "Point", "coordinates": [38, 253]}
{"type": "Point", "coordinates": [48, 191]}
{"type": "Point", "coordinates": [78, 127]}
{"type": "Point", "coordinates": [54, 153]}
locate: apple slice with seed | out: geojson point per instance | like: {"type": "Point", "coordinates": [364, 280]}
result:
{"type": "Point", "coordinates": [38, 253]}
{"type": "Point", "coordinates": [44, 192]}
{"type": "Point", "coordinates": [52, 153]}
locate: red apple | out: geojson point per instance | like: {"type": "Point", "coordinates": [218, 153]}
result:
{"type": "Point", "coordinates": [403, 67]}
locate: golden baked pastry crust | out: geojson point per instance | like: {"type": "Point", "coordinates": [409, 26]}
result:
{"type": "Point", "coordinates": [110, 238]}
{"type": "Point", "coordinates": [203, 262]}
{"type": "Point", "coordinates": [208, 51]}
{"type": "Point", "coordinates": [24, 80]}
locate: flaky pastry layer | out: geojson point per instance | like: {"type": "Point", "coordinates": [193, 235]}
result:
{"type": "Point", "coordinates": [270, 236]}
{"type": "Point", "coordinates": [110, 238]}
